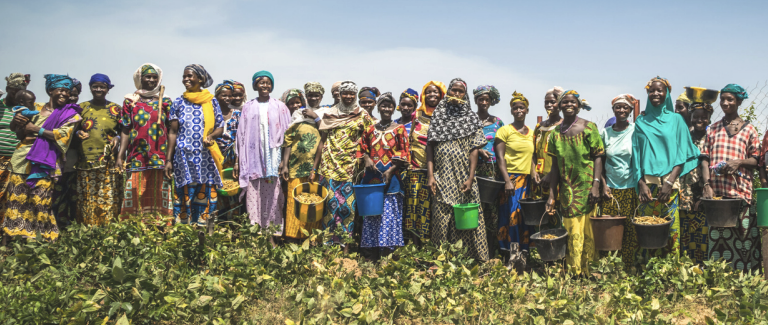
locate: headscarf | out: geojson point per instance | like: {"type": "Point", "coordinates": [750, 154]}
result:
{"type": "Point", "coordinates": [555, 91]}
{"type": "Point", "coordinates": [626, 99]}
{"type": "Point", "coordinates": [340, 114]}
{"type": "Point", "coordinates": [235, 86]}
{"type": "Point", "coordinates": [341, 109]}
{"type": "Point", "coordinates": [201, 73]}
{"type": "Point", "coordinates": [145, 69]}
{"type": "Point", "coordinates": [440, 86]}
{"type": "Point", "coordinates": [226, 84]}
{"type": "Point", "coordinates": [684, 98]}
{"type": "Point", "coordinates": [314, 87]}
{"type": "Point", "coordinates": [335, 86]}
{"type": "Point", "coordinates": [100, 77]}
{"type": "Point", "coordinates": [736, 90]}
{"type": "Point", "coordinates": [661, 141]}
{"type": "Point", "coordinates": [76, 84]}
{"type": "Point", "coordinates": [17, 80]}
{"type": "Point", "coordinates": [452, 120]}
{"type": "Point", "coordinates": [297, 116]}
{"type": "Point", "coordinates": [409, 93]}
{"type": "Point", "coordinates": [348, 86]}
{"type": "Point", "coordinates": [659, 79]}
{"type": "Point", "coordinates": [387, 96]}
{"type": "Point", "coordinates": [491, 91]}
{"type": "Point", "coordinates": [53, 81]}
{"type": "Point", "coordinates": [583, 103]}
{"type": "Point", "coordinates": [706, 107]}
{"type": "Point", "coordinates": [369, 92]}
{"type": "Point", "coordinates": [518, 97]}
{"type": "Point", "coordinates": [262, 74]}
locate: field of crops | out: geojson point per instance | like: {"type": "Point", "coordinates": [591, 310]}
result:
{"type": "Point", "coordinates": [129, 273]}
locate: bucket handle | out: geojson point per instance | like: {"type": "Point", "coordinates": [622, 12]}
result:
{"type": "Point", "coordinates": [363, 172]}
{"type": "Point", "coordinates": [634, 215]}
{"type": "Point", "coordinates": [618, 206]}
{"type": "Point", "coordinates": [545, 213]}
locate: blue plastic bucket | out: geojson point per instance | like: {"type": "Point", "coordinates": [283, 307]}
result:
{"type": "Point", "coordinates": [370, 199]}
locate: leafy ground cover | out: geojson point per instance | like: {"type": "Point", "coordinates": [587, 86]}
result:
{"type": "Point", "coordinates": [129, 273]}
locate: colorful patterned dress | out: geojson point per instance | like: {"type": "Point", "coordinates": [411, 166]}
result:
{"type": "Point", "coordinates": [228, 148]}
{"type": "Point", "coordinates": [339, 164]}
{"type": "Point", "coordinates": [8, 143]}
{"type": "Point", "coordinates": [418, 197]}
{"type": "Point", "coordinates": [451, 169]}
{"type": "Point", "coordinates": [385, 148]}
{"type": "Point", "coordinates": [488, 168]}
{"type": "Point", "coordinates": [28, 210]}
{"type": "Point", "coordinates": [303, 139]}
{"type": "Point", "coordinates": [147, 191]}
{"type": "Point", "coordinates": [694, 231]}
{"type": "Point", "coordinates": [543, 159]}
{"type": "Point", "coordinates": [738, 246]}
{"type": "Point", "coordinates": [99, 185]}
{"type": "Point", "coordinates": [576, 160]}
{"type": "Point", "coordinates": [518, 156]}
{"type": "Point", "coordinates": [195, 172]}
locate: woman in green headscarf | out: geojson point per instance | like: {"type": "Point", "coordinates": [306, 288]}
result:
{"type": "Point", "coordinates": [662, 151]}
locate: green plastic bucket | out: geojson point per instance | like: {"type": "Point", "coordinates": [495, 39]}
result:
{"type": "Point", "coordinates": [466, 215]}
{"type": "Point", "coordinates": [762, 207]}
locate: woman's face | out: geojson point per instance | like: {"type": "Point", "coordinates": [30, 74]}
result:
{"type": "Point", "coordinates": [238, 95]}
{"type": "Point", "coordinates": [348, 97]}
{"type": "Point", "coordinates": [386, 109]}
{"type": "Point", "coordinates": [483, 102]}
{"type": "Point", "coordinates": [99, 90]}
{"type": "Point", "coordinates": [519, 111]}
{"type": "Point", "coordinates": [432, 96]}
{"type": "Point", "coordinates": [314, 99]}
{"type": "Point", "coordinates": [569, 106]}
{"type": "Point", "coordinates": [149, 81]}
{"type": "Point", "coordinates": [407, 106]}
{"type": "Point", "coordinates": [657, 93]}
{"type": "Point", "coordinates": [74, 95]}
{"type": "Point", "coordinates": [224, 97]}
{"type": "Point", "coordinates": [190, 80]}
{"type": "Point", "coordinates": [549, 105]}
{"type": "Point", "coordinates": [367, 104]}
{"type": "Point", "coordinates": [457, 90]}
{"type": "Point", "coordinates": [60, 97]}
{"type": "Point", "coordinates": [682, 109]}
{"type": "Point", "coordinates": [729, 103]}
{"type": "Point", "coordinates": [621, 111]}
{"type": "Point", "coordinates": [699, 119]}
{"type": "Point", "coordinates": [264, 86]}
{"type": "Point", "coordinates": [294, 104]}
{"type": "Point", "coordinates": [336, 95]}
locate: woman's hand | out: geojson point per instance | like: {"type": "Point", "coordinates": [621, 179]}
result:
{"type": "Point", "coordinates": [309, 114]}
{"type": "Point", "coordinates": [312, 176]}
{"type": "Point", "coordinates": [284, 172]}
{"type": "Point", "coordinates": [535, 178]}
{"type": "Point", "coordinates": [19, 121]}
{"type": "Point", "coordinates": [169, 170]}
{"type": "Point", "coordinates": [31, 129]}
{"type": "Point", "coordinates": [119, 165]}
{"type": "Point", "coordinates": [645, 193]}
{"type": "Point", "coordinates": [236, 170]}
{"type": "Point", "coordinates": [83, 135]}
{"type": "Point", "coordinates": [432, 184]}
{"type": "Point", "coordinates": [607, 195]}
{"type": "Point", "coordinates": [732, 166]}
{"type": "Point", "coordinates": [369, 165]}
{"type": "Point", "coordinates": [594, 193]}
{"type": "Point", "coordinates": [486, 154]}
{"type": "Point", "coordinates": [509, 188]}
{"type": "Point", "coordinates": [388, 175]}
{"type": "Point", "coordinates": [209, 141]}
{"type": "Point", "coordinates": [550, 207]}
{"type": "Point", "coordinates": [467, 185]}
{"type": "Point", "coordinates": [544, 182]}
{"type": "Point", "coordinates": [665, 193]}
{"type": "Point", "coordinates": [708, 192]}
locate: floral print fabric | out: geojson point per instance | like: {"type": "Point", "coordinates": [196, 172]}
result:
{"type": "Point", "coordinates": [304, 139]}
{"type": "Point", "coordinates": [102, 124]}
{"type": "Point", "coordinates": [148, 137]}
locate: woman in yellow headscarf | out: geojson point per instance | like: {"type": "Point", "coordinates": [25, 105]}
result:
{"type": "Point", "coordinates": [418, 202]}
{"type": "Point", "coordinates": [195, 123]}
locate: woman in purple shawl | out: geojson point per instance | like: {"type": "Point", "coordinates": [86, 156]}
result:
{"type": "Point", "coordinates": [263, 123]}
{"type": "Point", "coordinates": [45, 137]}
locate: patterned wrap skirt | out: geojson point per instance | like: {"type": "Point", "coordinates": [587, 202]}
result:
{"type": "Point", "coordinates": [294, 226]}
{"type": "Point", "coordinates": [148, 194]}
{"type": "Point", "coordinates": [5, 178]}
{"type": "Point", "coordinates": [65, 199]}
{"type": "Point", "coordinates": [694, 235]}
{"type": "Point", "coordinates": [264, 201]}
{"type": "Point", "coordinates": [28, 210]}
{"type": "Point", "coordinates": [385, 230]}
{"type": "Point", "coordinates": [193, 203]}
{"type": "Point", "coordinates": [739, 246]}
{"type": "Point", "coordinates": [512, 229]}
{"type": "Point", "coordinates": [100, 195]}
{"type": "Point", "coordinates": [581, 242]}
{"type": "Point", "coordinates": [418, 204]}
{"type": "Point", "coordinates": [340, 206]}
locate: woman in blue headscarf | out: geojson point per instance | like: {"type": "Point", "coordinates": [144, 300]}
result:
{"type": "Point", "coordinates": [662, 151]}
{"type": "Point", "coordinates": [38, 161]}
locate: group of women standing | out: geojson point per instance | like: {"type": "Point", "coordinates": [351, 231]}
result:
{"type": "Point", "coordinates": [155, 157]}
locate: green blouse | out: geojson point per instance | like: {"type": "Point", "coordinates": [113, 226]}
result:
{"type": "Point", "coordinates": [102, 125]}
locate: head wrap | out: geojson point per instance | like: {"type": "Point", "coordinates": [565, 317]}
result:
{"type": "Point", "coordinates": [348, 86]}
{"type": "Point", "coordinates": [205, 78]}
{"type": "Point", "coordinates": [661, 141]}
{"type": "Point", "coordinates": [440, 86]}
{"type": "Point", "coordinates": [458, 80]}
{"type": "Point", "coordinates": [583, 103]}
{"type": "Point", "coordinates": [409, 93]}
{"type": "Point", "coordinates": [684, 98]}
{"type": "Point", "coordinates": [76, 84]}
{"type": "Point", "coordinates": [293, 93]}
{"type": "Point", "coordinates": [53, 81]}
{"type": "Point", "coordinates": [453, 120]}
{"type": "Point", "coordinates": [100, 77]}
{"type": "Point", "coordinates": [626, 99]}
{"type": "Point", "coordinates": [226, 84]}
{"type": "Point", "coordinates": [518, 97]}
{"type": "Point", "coordinates": [17, 80]}
{"type": "Point", "coordinates": [491, 91]}
{"type": "Point", "coordinates": [314, 87]}
{"type": "Point", "coordinates": [706, 107]}
{"type": "Point", "coordinates": [661, 80]}
{"type": "Point", "coordinates": [262, 74]}
{"type": "Point", "coordinates": [369, 92]}
{"type": "Point", "coordinates": [736, 90]}
{"type": "Point", "coordinates": [555, 91]}
{"type": "Point", "coordinates": [387, 96]}
{"type": "Point", "coordinates": [145, 69]}
{"type": "Point", "coordinates": [336, 86]}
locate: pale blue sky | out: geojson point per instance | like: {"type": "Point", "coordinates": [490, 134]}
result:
{"type": "Point", "coordinates": [599, 48]}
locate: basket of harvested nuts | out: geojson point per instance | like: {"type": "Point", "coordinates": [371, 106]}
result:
{"type": "Point", "coordinates": [231, 186]}
{"type": "Point", "coordinates": [309, 200]}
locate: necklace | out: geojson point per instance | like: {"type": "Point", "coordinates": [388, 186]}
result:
{"type": "Point", "coordinates": [732, 122]}
{"type": "Point", "coordinates": [383, 127]}
{"type": "Point", "coordinates": [569, 127]}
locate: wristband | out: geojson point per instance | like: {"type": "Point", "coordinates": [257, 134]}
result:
{"type": "Point", "coordinates": [40, 132]}
{"type": "Point", "coordinates": [317, 119]}
{"type": "Point", "coordinates": [670, 183]}
{"type": "Point", "coordinates": [596, 180]}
